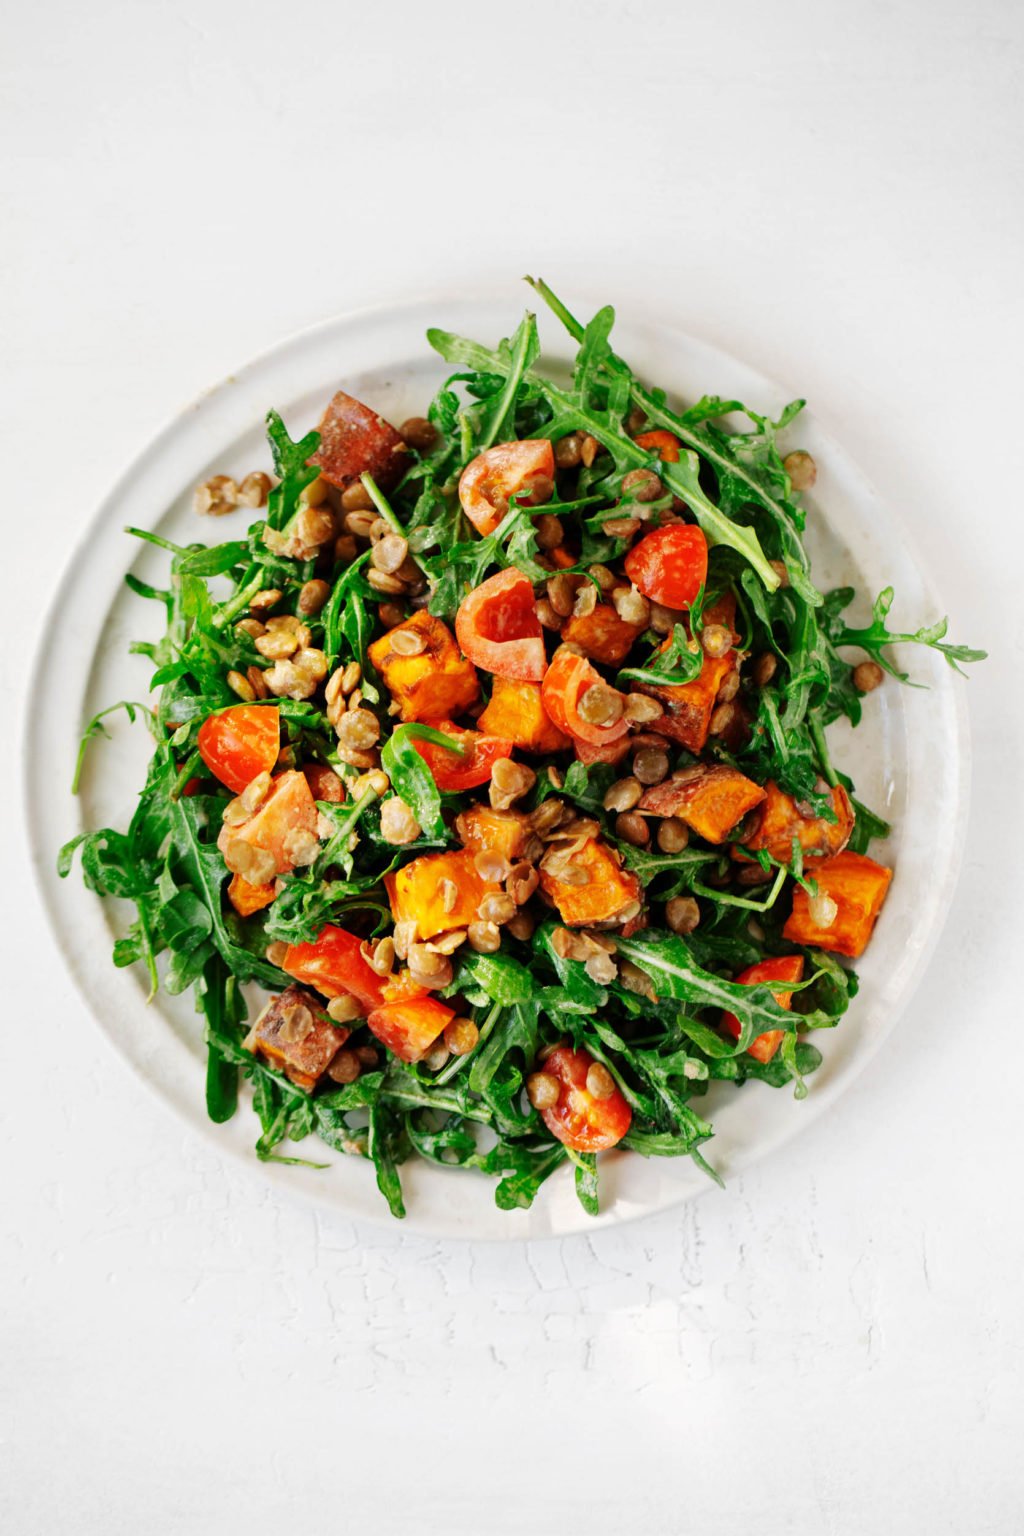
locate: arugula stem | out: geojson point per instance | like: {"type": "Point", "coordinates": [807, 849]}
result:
{"type": "Point", "coordinates": [384, 507]}
{"type": "Point", "coordinates": [458, 1062]}
{"type": "Point", "coordinates": [744, 901]}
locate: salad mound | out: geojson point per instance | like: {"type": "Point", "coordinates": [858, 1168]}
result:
{"type": "Point", "coordinates": [494, 751]}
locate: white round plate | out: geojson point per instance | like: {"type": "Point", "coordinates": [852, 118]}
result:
{"type": "Point", "coordinates": [909, 758]}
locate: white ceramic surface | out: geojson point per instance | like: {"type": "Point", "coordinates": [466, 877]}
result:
{"type": "Point", "coordinates": [909, 758]}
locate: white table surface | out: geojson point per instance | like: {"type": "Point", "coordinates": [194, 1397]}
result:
{"type": "Point", "coordinates": [832, 1345]}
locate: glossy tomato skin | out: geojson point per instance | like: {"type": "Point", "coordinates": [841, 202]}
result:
{"type": "Point", "coordinates": [499, 473]}
{"type": "Point", "coordinates": [498, 628]}
{"type": "Point", "coordinates": [780, 968]}
{"type": "Point", "coordinates": [453, 773]}
{"type": "Point", "coordinates": [566, 680]}
{"type": "Point", "coordinates": [334, 963]}
{"type": "Point", "coordinates": [579, 1120]}
{"type": "Point", "coordinates": [663, 443]}
{"type": "Point", "coordinates": [240, 743]}
{"type": "Point", "coordinates": [670, 565]}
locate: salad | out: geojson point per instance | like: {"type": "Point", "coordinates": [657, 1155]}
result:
{"type": "Point", "coordinates": [491, 815]}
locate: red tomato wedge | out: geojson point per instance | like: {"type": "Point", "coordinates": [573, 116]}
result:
{"type": "Point", "coordinates": [664, 444]}
{"type": "Point", "coordinates": [410, 1029]}
{"type": "Point", "coordinates": [335, 964]}
{"type": "Point", "coordinates": [505, 470]}
{"type": "Point", "coordinates": [240, 742]}
{"type": "Point", "coordinates": [670, 565]}
{"type": "Point", "coordinates": [452, 772]}
{"type": "Point", "coordinates": [784, 968]}
{"type": "Point", "coordinates": [579, 1120]}
{"type": "Point", "coordinates": [565, 682]}
{"type": "Point", "coordinates": [498, 628]}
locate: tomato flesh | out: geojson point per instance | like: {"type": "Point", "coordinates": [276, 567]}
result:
{"type": "Point", "coordinates": [334, 964]}
{"type": "Point", "coordinates": [498, 628]}
{"type": "Point", "coordinates": [240, 743]}
{"type": "Point", "coordinates": [670, 565]}
{"type": "Point", "coordinates": [781, 968]}
{"type": "Point", "coordinates": [579, 1120]}
{"type": "Point", "coordinates": [453, 773]}
{"type": "Point", "coordinates": [565, 682]}
{"type": "Point", "coordinates": [489, 480]}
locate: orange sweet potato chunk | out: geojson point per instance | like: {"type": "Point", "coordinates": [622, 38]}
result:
{"type": "Point", "coordinates": [416, 893]}
{"type": "Point", "coordinates": [246, 898]}
{"type": "Point", "coordinates": [516, 712]}
{"type": "Point", "coordinates": [602, 635]}
{"type": "Point", "coordinates": [781, 820]}
{"type": "Point", "coordinates": [711, 800]}
{"type": "Point", "coordinates": [288, 809]}
{"type": "Point", "coordinates": [436, 684]}
{"type": "Point", "coordinates": [858, 886]}
{"type": "Point", "coordinates": [483, 830]}
{"type": "Point", "coordinates": [689, 706]}
{"type": "Point", "coordinates": [607, 891]}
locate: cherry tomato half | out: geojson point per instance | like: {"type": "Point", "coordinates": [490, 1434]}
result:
{"type": "Point", "coordinates": [240, 742]}
{"type": "Point", "coordinates": [781, 968]}
{"type": "Point", "coordinates": [334, 964]}
{"type": "Point", "coordinates": [565, 682]}
{"type": "Point", "coordinates": [664, 444]}
{"type": "Point", "coordinates": [452, 772]}
{"type": "Point", "coordinates": [579, 1120]}
{"type": "Point", "coordinates": [498, 628]}
{"type": "Point", "coordinates": [670, 565]}
{"type": "Point", "coordinates": [505, 470]}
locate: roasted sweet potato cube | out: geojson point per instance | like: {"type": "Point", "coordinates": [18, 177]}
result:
{"type": "Point", "coordinates": [409, 1029]}
{"type": "Point", "coordinates": [780, 820]}
{"type": "Point", "coordinates": [710, 799]}
{"type": "Point", "coordinates": [602, 635]}
{"type": "Point", "coordinates": [354, 440]}
{"type": "Point", "coordinates": [280, 824]}
{"type": "Point", "coordinates": [606, 892]}
{"type": "Point", "coordinates": [858, 886]}
{"type": "Point", "coordinates": [689, 706]}
{"type": "Point", "coordinates": [516, 712]}
{"type": "Point", "coordinates": [247, 899]}
{"type": "Point", "coordinates": [437, 683]}
{"type": "Point", "coordinates": [296, 1034]}
{"type": "Point", "coordinates": [439, 892]}
{"type": "Point", "coordinates": [484, 830]}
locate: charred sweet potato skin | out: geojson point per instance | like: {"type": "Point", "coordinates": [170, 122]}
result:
{"type": "Point", "coordinates": [303, 1061]}
{"type": "Point", "coordinates": [607, 892]}
{"type": "Point", "coordinates": [483, 830]}
{"type": "Point", "coordinates": [354, 440]}
{"type": "Point", "coordinates": [780, 820]}
{"type": "Point", "coordinates": [858, 886]}
{"type": "Point", "coordinates": [516, 712]}
{"type": "Point", "coordinates": [710, 799]}
{"type": "Point", "coordinates": [602, 635]}
{"type": "Point", "coordinates": [416, 895]}
{"type": "Point", "coordinates": [438, 683]}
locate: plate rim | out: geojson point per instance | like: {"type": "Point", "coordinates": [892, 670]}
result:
{"type": "Point", "coordinates": [47, 883]}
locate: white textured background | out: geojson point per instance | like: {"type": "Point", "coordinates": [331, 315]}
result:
{"type": "Point", "coordinates": [830, 190]}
